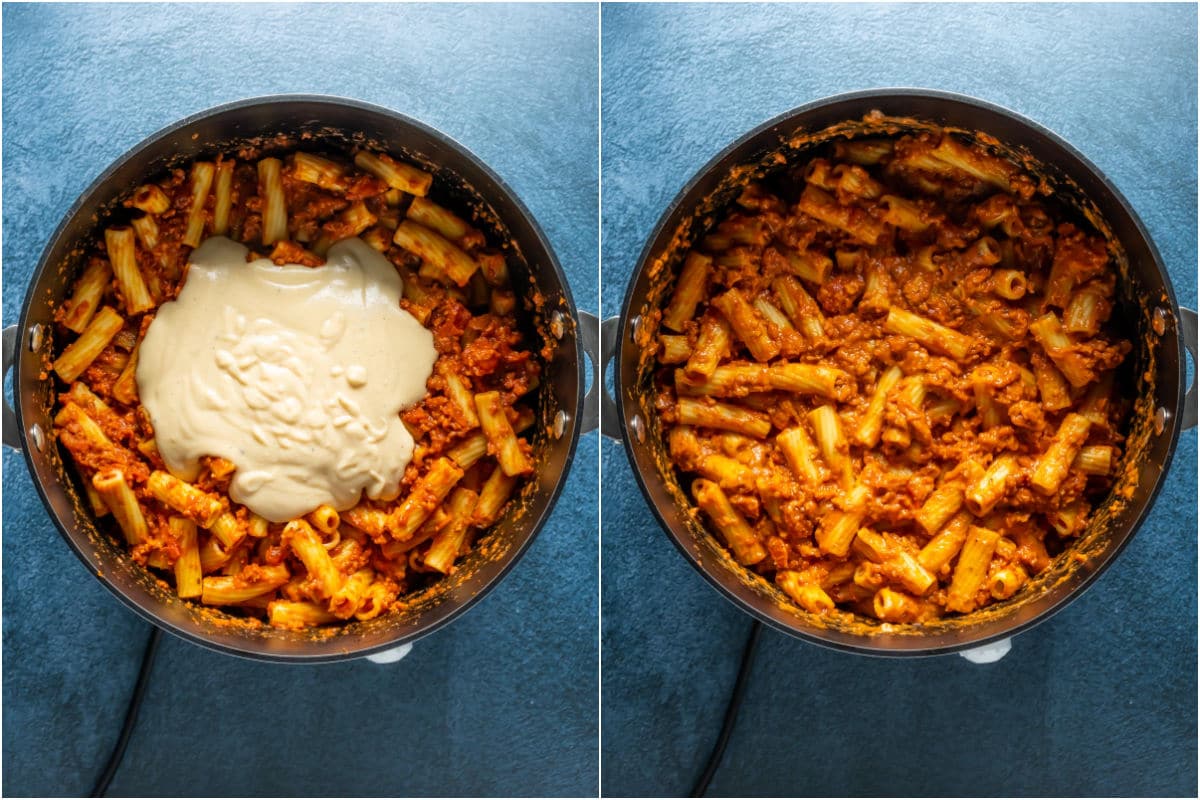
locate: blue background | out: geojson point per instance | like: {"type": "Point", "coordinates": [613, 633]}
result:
{"type": "Point", "coordinates": [501, 702]}
{"type": "Point", "coordinates": [1100, 700]}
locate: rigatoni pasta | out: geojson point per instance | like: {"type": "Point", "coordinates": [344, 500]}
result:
{"type": "Point", "coordinates": [886, 378]}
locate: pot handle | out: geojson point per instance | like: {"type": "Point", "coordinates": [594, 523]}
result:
{"type": "Point", "coordinates": [12, 436]}
{"type": "Point", "coordinates": [600, 344]}
{"type": "Point", "coordinates": [1187, 328]}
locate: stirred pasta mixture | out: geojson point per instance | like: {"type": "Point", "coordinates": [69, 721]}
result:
{"type": "Point", "coordinates": [338, 376]}
{"type": "Point", "coordinates": [886, 378]}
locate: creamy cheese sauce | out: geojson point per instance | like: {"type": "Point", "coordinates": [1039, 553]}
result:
{"type": "Point", "coordinates": [295, 374]}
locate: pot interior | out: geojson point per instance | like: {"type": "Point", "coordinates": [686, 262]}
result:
{"type": "Point", "coordinates": [1145, 313]}
{"type": "Point", "coordinates": [461, 183]}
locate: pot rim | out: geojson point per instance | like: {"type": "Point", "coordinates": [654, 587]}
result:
{"type": "Point", "coordinates": [864, 644]}
{"type": "Point", "coordinates": [551, 261]}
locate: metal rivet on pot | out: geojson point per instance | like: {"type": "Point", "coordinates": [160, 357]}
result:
{"type": "Point", "coordinates": [1158, 320]}
{"type": "Point", "coordinates": [39, 438]}
{"type": "Point", "coordinates": [634, 327]}
{"type": "Point", "coordinates": [35, 337]}
{"type": "Point", "coordinates": [1160, 419]}
{"type": "Point", "coordinates": [638, 428]}
{"type": "Point", "coordinates": [560, 424]}
{"type": "Point", "coordinates": [557, 324]}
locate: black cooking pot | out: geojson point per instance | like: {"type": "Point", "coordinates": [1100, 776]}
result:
{"type": "Point", "coordinates": [1154, 322]}
{"type": "Point", "coordinates": [462, 182]}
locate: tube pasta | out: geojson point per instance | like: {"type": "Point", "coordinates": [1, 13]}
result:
{"type": "Point", "coordinates": [500, 434]}
{"type": "Point", "coordinates": [89, 290]}
{"type": "Point", "coordinates": [747, 324]}
{"type": "Point", "coordinates": [395, 174]}
{"type": "Point", "coordinates": [799, 450]}
{"type": "Point", "coordinates": [1008, 283]}
{"type": "Point", "coordinates": [892, 606]}
{"type": "Point", "coordinates": [492, 497]}
{"type": "Point", "coordinates": [118, 495]}
{"type": "Point", "coordinates": [1085, 312]}
{"type": "Point", "coordinates": [119, 242]}
{"type": "Point", "coordinates": [1052, 466]}
{"type": "Point", "coordinates": [674, 349]}
{"type": "Point", "coordinates": [1050, 335]}
{"type": "Point", "coordinates": [866, 152]}
{"type": "Point", "coordinates": [828, 428]}
{"type": "Point", "coordinates": [298, 614]}
{"type": "Point", "coordinates": [723, 416]}
{"type": "Point", "coordinates": [426, 495]}
{"type": "Point", "coordinates": [324, 519]}
{"type": "Point", "coordinates": [223, 202]}
{"type": "Point", "coordinates": [307, 546]}
{"type": "Point", "coordinates": [711, 346]}
{"type": "Point", "coordinates": [188, 568]}
{"type": "Point", "coordinates": [429, 528]}
{"type": "Point", "coordinates": [449, 540]}
{"type": "Point", "coordinates": [944, 546]}
{"type": "Point", "coordinates": [872, 423]}
{"type": "Point", "coordinates": [772, 314]}
{"type": "Point", "coordinates": [971, 570]}
{"type": "Point", "coordinates": [151, 199]}
{"type": "Point", "coordinates": [820, 205]}
{"type": "Point", "coordinates": [734, 529]}
{"type": "Point", "coordinates": [198, 506]}
{"type": "Point", "coordinates": [85, 434]}
{"type": "Point", "coordinates": [80, 354]}
{"type": "Point", "coordinates": [432, 216]}
{"type": "Point", "coordinates": [227, 530]}
{"type": "Point", "coordinates": [983, 495]}
{"type": "Point", "coordinates": [929, 333]}
{"type": "Point", "coordinates": [812, 267]}
{"type": "Point", "coordinates": [1052, 387]}
{"type": "Point", "coordinates": [435, 250]}
{"type": "Point", "coordinates": [467, 452]}
{"type": "Point", "coordinates": [811, 597]}
{"type": "Point", "coordinates": [1096, 460]}
{"type": "Point", "coordinates": [740, 379]}
{"type": "Point", "coordinates": [231, 590]}
{"type": "Point", "coordinates": [940, 506]}
{"type": "Point", "coordinates": [274, 203]}
{"type": "Point", "coordinates": [458, 389]}
{"type": "Point", "coordinates": [800, 307]}
{"type": "Point", "coordinates": [897, 564]}
{"type": "Point", "coordinates": [95, 501]}
{"type": "Point", "coordinates": [369, 519]}
{"type": "Point", "coordinates": [839, 527]}
{"type": "Point", "coordinates": [320, 171]}
{"type": "Point", "coordinates": [903, 214]}
{"type": "Point", "coordinates": [1004, 583]}
{"type": "Point", "coordinates": [125, 387]}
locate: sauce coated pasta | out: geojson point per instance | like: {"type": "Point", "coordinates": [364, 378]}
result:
{"type": "Point", "coordinates": [886, 378]}
{"type": "Point", "coordinates": [332, 562]}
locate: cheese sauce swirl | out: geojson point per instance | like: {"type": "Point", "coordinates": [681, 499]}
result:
{"type": "Point", "coordinates": [295, 374]}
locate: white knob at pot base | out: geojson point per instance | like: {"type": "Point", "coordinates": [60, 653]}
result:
{"type": "Point", "coordinates": [988, 653]}
{"type": "Point", "coordinates": [390, 656]}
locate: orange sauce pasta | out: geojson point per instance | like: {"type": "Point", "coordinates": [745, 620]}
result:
{"type": "Point", "coordinates": [886, 378]}
{"type": "Point", "coordinates": [329, 565]}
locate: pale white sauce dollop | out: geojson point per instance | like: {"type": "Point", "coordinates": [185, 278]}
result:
{"type": "Point", "coordinates": [295, 374]}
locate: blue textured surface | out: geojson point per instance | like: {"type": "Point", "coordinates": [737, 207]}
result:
{"type": "Point", "coordinates": [501, 702]}
{"type": "Point", "coordinates": [1100, 700]}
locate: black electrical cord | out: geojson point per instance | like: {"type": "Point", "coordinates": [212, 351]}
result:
{"type": "Point", "coordinates": [731, 711]}
{"type": "Point", "coordinates": [131, 715]}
